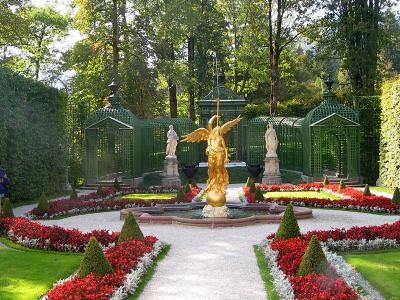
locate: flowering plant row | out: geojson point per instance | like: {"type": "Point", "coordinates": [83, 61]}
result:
{"type": "Point", "coordinates": [88, 204]}
{"type": "Point", "coordinates": [284, 257]}
{"type": "Point", "coordinates": [129, 260]}
{"type": "Point", "coordinates": [34, 235]}
{"type": "Point", "coordinates": [352, 199]}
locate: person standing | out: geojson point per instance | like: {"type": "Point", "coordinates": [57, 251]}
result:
{"type": "Point", "coordinates": [4, 182]}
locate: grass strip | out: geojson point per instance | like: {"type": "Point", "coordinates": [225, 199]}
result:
{"type": "Point", "coordinates": [272, 294]}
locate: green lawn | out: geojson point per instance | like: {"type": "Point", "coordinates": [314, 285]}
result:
{"type": "Point", "coordinates": [149, 196]}
{"type": "Point", "coordinates": [307, 194]}
{"type": "Point", "coordinates": [382, 189]}
{"type": "Point", "coordinates": [380, 268]}
{"type": "Point", "coordinates": [28, 274]}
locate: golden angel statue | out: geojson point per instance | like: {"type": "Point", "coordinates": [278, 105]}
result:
{"type": "Point", "coordinates": [218, 178]}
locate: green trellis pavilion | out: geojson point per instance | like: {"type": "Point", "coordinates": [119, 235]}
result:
{"type": "Point", "coordinates": [325, 141]}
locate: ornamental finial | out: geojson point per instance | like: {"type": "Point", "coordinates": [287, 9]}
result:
{"type": "Point", "coordinates": [113, 87]}
{"type": "Point", "coordinates": [329, 82]}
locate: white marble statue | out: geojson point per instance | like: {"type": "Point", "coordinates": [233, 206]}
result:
{"type": "Point", "coordinates": [172, 141]}
{"type": "Point", "coordinates": [271, 141]}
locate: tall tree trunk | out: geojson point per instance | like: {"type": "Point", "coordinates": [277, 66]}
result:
{"type": "Point", "coordinates": [115, 39]}
{"type": "Point", "coordinates": [274, 53]}
{"type": "Point", "coordinates": [191, 41]}
{"type": "Point", "coordinates": [173, 102]}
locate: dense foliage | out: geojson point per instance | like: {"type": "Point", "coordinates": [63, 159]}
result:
{"type": "Point", "coordinates": [130, 229]}
{"type": "Point", "coordinates": [32, 144]}
{"type": "Point", "coordinates": [288, 227]}
{"type": "Point", "coordinates": [390, 134]}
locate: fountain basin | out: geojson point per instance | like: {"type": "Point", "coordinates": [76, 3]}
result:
{"type": "Point", "coordinates": [190, 214]}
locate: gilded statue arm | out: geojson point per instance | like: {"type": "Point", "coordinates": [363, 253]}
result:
{"type": "Point", "coordinates": [226, 150]}
{"type": "Point", "coordinates": [211, 121]}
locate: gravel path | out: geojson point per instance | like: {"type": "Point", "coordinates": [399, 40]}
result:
{"type": "Point", "coordinates": [217, 263]}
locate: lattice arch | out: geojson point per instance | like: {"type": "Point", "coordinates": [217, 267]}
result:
{"type": "Point", "coordinates": [326, 141]}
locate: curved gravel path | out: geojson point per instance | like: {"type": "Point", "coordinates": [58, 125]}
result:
{"type": "Point", "coordinates": [217, 263]}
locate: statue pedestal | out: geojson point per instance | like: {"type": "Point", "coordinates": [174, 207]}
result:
{"type": "Point", "coordinates": [171, 174]}
{"type": "Point", "coordinates": [215, 212]}
{"type": "Point", "coordinates": [271, 174]}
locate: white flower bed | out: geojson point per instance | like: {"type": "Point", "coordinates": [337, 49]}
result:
{"type": "Point", "coordinates": [281, 283]}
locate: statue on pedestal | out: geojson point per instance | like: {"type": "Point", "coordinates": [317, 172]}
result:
{"type": "Point", "coordinates": [271, 141]}
{"type": "Point", "coordinates": [217, 152]}
{"type": "Point", "coordinates": [171, 174]}
{"type": "Point", "coordinates": [272, 174]}
{"type": "Point", "coordinates": [172, 141]}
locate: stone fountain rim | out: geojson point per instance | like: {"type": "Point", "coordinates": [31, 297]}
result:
{"type": "Point", "coordinates": [143, 214]}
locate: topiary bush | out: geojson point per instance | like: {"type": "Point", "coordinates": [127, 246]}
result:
{"type": "Point", "coordinates": [181, 196]}
{"type": "Point", "coordinates": [94, 260]}
{"type": "Point", "coordinates": [288, 227]}
{"type": "Point", "coordinates": [396, 196]}
{"type": "Point", "coordinates": [6, 208]}
{"type": "Point", "coordinates": [130, 229]}
{"type": "Point", "coordinates": [258, 195]}
{"type": "Point", "coordinates": [116, 184]}
{"type": "Point", "coordinates": [100, 191]}
{"type": "Point", "coordinates": [43, 203]}
{"type": "Point", "coordinates": [342, 185]}
{"type": "Point", "coordinates": [187, 188]}
{"type": "Point", "coordinates": [326, 180]}
{"type": "Point", "coordinates": [73, 195]}
{"type": "Point", "coordinates": [314, 260]}
{"type": "Point", "coordinates": [367, 191]}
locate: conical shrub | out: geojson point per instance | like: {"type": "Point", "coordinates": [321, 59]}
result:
{"type": "Point", "coordinates": [73, 195]}
{"type": "Point", "coordinates": [187, 188]}
{"type": "Point", "coordinates": [94, 260]}
{"type": "Point", "coordinates": [6, 208]}
{"type": "Point", "coordinates": [396, 196]}
{"type": "Point", "coordinates": [258, 195]}
{"type": "Point", "coordinates": [100, 191]}
{"type": "Point", "coordinates": [181, 196]}
{"type": "Point", "coordinates": [342, 185]}
{"type": "Point", "coordinates": [326, 180]}
{"type": "Point", "coordinates": [116, 184]}
{"type": "Point", "coordinates": [130, 229]}
{"type": "Point", "coordinates": [288, 227]}
{"type": "Point", "coordinates": [314, 260]}
{"type": "Point", "coordinates": [249, 182]}
{"type": "Point", "coordinates": [367, 191]}
{"type": "Point", "coordinates": [43, 203]}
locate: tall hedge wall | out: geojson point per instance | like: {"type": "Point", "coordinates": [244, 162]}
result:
{"type": "Point", "coordinates": [32, 143]}
{"type": "Point", "coordinates": [370, 119]}
{"type": "Point", "coordinates": [390, 134]}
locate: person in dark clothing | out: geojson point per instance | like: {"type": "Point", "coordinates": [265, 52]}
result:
{"type": "Point", "coordinates": [4, 182]}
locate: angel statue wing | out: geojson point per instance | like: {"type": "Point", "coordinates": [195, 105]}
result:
{"type": "Point", "coordinates": [200, 134]}
{"type": "Point", "coordinates": [228, 125]}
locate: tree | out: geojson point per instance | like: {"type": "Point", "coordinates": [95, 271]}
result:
{"type": "Point", "coordinates": [354, 31]}
{"type": "Point", "coordinates": [287, 21]}
{"type": "Point", "coordinates": [46, 26]}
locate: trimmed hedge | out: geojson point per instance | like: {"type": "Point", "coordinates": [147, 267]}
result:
{"type": "Point", "coordinates": [32, 144]}
{"type": "Point", "coordinates": [130, 229]}
{"type": "Point", "coordinates": [288, 227]}
{"type": "Point", "coordinates": [94, 260]}
{"type": "Point", "coordinates": [389, 163]}
{"type": "Point", "coordinates": [314, 260]}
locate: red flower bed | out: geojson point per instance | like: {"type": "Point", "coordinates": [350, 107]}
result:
{"type": "Point", "coordinates": [123, 257]}
{"type": "Point", "coordinates": [35, 235]}
{"type": "Point", "coordinates": [312, 286]}
{"type": "Point", "coordinates": [355, 201]}
{"type": "Point", "coordinates": [87, 203]}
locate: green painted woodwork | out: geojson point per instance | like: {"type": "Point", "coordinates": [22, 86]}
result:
{"type": "Point", "coordinates": [231, 106]}
{"type": "Point", "coordinates": [326, 141]}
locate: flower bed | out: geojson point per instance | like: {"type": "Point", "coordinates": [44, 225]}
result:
{"type": "Point", "coordinates": [284, 257]}
{"type": "Point", "coordinates": [352, 199]}
{"type": "Point", "coordinates": [129, 260]}
{"type": "Point", "coordinates": [93, 203]}
{"type": "Point", "coordinates": [34, 235]}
